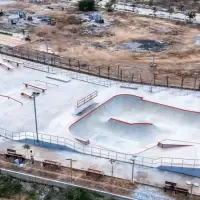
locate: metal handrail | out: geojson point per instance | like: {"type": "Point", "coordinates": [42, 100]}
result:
{"type": "Point", "coordinates": [100, 152]}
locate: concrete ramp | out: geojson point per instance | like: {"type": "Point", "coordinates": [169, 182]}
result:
{"type": "Point", "coordinates": [129, 123]}
{"type": "Point", "coordinates": [173, 143]}
{"type": "Point", "coordinates": [137, 130]}
{"type": "Point", "coordinates": [116, 121]}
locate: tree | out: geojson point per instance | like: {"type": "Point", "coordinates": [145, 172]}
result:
{"type": "Point", "coordinates": [86, 5]}
{"type": "Point", "coordinates": [27, 147]}
{"type": "Point", "coordinates": [191, 15]}
{"type": "Point", "coordinates": [171, 10]}
{"type": "Point", "coordinates": [150, 2]}
{"type": "Point", "coordinates": [110, 5]}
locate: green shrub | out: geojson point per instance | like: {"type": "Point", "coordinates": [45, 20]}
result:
{"type": "Point", "coordinates": [109, 7]}
{"type": "Point", "coordinates": [86, 5]}
{"type": "Point", "coordinates": [9, 187]}
{"type": "Point", "coordinates": [32, 195]}
{"type": "Point", "coordinates": [5, 33]}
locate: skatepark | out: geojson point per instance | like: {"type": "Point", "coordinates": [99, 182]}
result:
{"type": "Point", "coordinates": [98, 117]}
{"type": "Point", "coordinates": [129, 122]}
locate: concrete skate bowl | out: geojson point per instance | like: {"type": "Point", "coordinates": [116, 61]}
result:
{"type": "Point", "coordinates": [129, 123]}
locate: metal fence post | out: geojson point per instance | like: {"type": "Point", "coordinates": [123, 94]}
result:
{"type": "Point", "coordinates": [140, 78]}
{"type": "Point", "coordinates": [79, 66]}
{"type": "Point", "coordinates": [154, 78]}
{"type": "Point", "coordinates": [118, 71]}
{"type": "Point", "coordinates": [121, 74]}
{"type": "Point", "coordinates": [69, 61]}
{"type": "Point", "coordinates": [182, 79]}
{"type": "Point", "coordinates": [167, 79]}
{"type": "Point", "coordinates": [195, 82]}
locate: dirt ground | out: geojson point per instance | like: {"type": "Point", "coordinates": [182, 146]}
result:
{"type": "Point", "coordinates": [11, 41]}
{"type": "Point", "coordinates": [67, 39]}
{"type": "Point", "coordinates": [73, 38]}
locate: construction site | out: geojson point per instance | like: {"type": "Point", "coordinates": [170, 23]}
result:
{"type": "Point", "coordinates": [107, 101]}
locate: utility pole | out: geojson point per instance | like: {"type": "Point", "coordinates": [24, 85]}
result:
{"type": "Point", "coordinates": [153, 66]}
{"type": "Point", "coordinates": [71, 161]}
{"type": "Point", "coordinates": [34, 95]}
{"type": "Point", "coordinates": [133, 166]}
{"type": "Point", "coordinates": [192, 185]}
{"type": "Point", "coordinates": [112, 161]}
{"type": "Point", "coordinates": [47, 48]}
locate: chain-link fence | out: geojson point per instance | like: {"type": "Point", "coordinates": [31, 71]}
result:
{"type": "Point", "coordinates": [49, 62]}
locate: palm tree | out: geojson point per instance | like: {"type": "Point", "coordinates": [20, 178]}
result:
{"type": "Point", "coordinates": [27, 147]}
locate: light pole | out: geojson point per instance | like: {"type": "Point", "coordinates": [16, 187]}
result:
{"type": "Point", "coordinates": [133, 166]}
{"type": "Point", "coordinates": [153, 66]}
{"type": "Point", "coordinates": [112, 161]}
{"type": "Point", "coordinates": [71, 160]}
{"type": "Point", "coordinates": [34, 95]}
{"type": "Point", "coordinates": [192, 185]}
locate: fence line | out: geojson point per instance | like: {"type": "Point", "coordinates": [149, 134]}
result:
{"type": "Point", "coordinates": [51, 141]}
{"type": "Point", "coordinates": [128, 75]}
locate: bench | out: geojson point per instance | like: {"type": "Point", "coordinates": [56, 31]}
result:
{"type": "Point", "coordinates": [28, 85]}
{"type": "Point", "coordinates": [169, 186]}
{"type": "Point", "coordinates": [11, 151]}
{"type": "Point", "coordinates": [94, 172]}
{"type": "Point", "coordinates": [9, 68]}
{"type": "Point", "coordinates": [182, 190]}
{"type": "Point", "coordinates": [172, 186]}
{"type": "Point", "coordinates": [12, 154]}
{"type": "Point", "coordinates": [50, 163]}
{"type": "Point", "coordinates": [27, 95]}
{"type": "Point", "coordinates": [7, 60]}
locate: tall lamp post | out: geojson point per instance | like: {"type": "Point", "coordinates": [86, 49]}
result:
{"type": "Point", "coordinates": [192, 185]}
{"type": "Point", "coordinates": [112, 161]}
{"type": "Point", "coordinates": [71, 161]}
{"type": "Point", "coordinates": [133, 166]}
{"type": "Point", "coordinates": [34, 95]}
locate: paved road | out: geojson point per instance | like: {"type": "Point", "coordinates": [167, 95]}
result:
{"type": "Point", "coordinates": [160, 14]}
